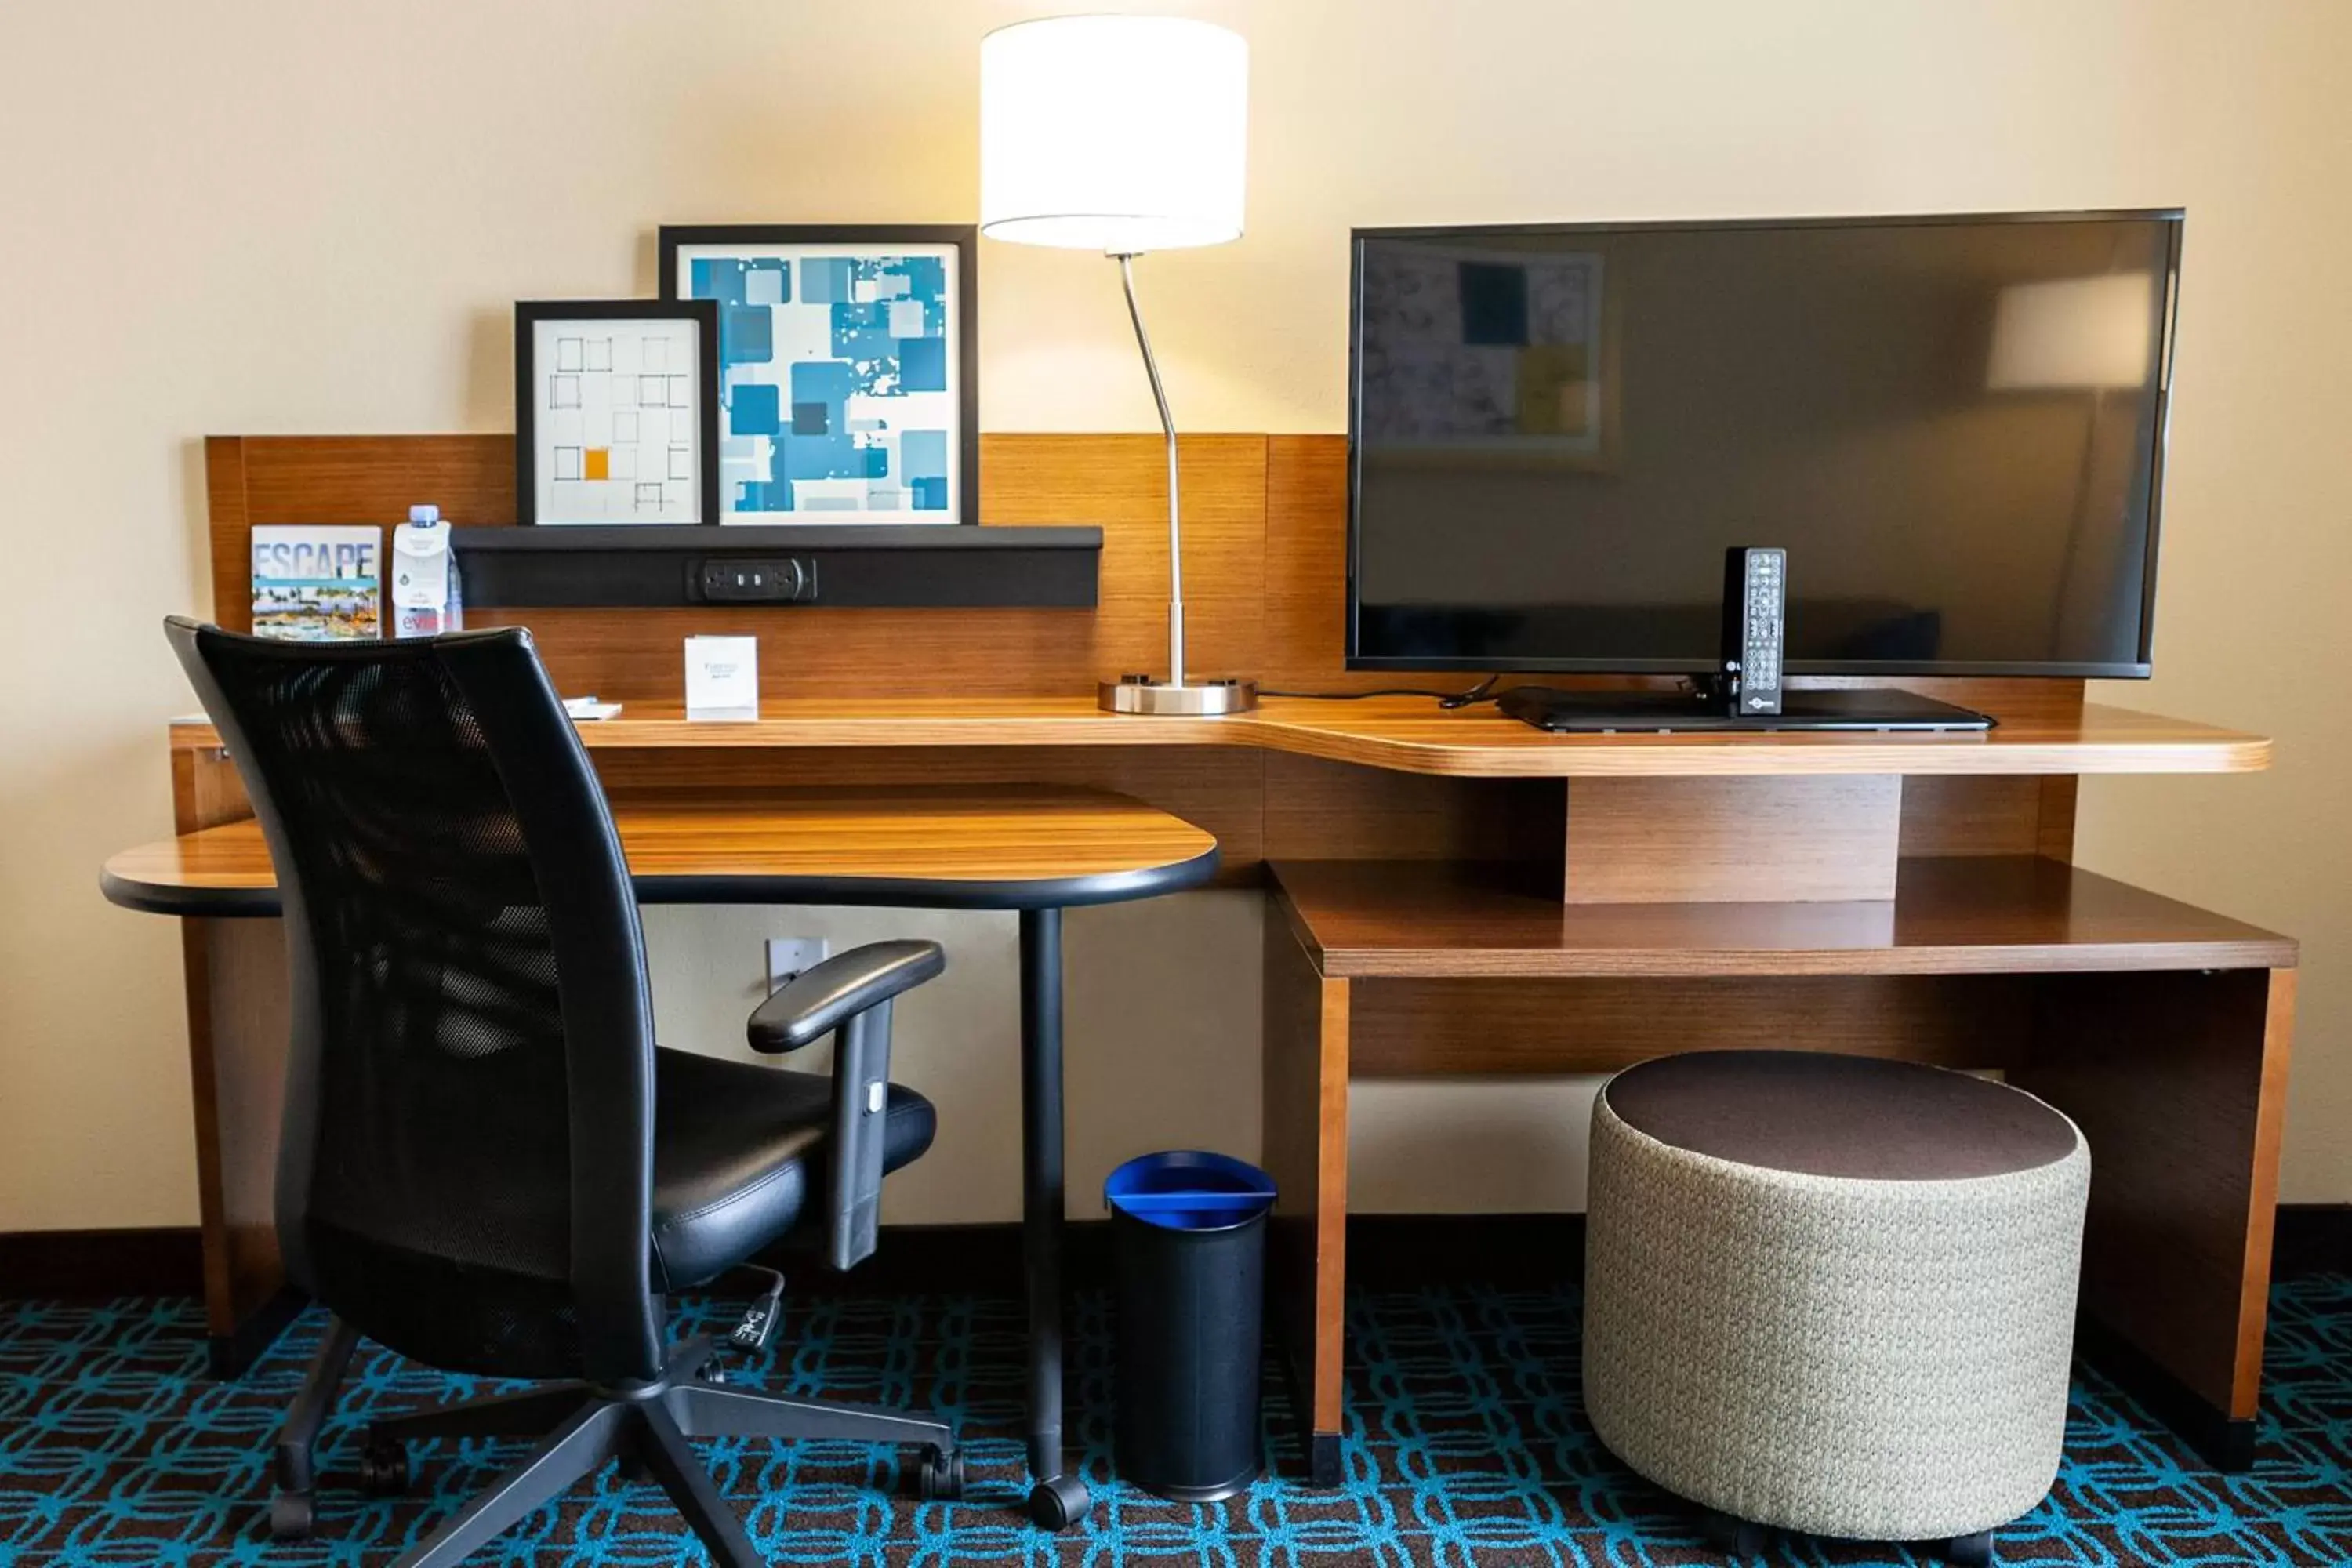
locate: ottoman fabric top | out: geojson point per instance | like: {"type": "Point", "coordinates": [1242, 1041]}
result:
{"type": "Point", "coordinates": [1861, 1118]}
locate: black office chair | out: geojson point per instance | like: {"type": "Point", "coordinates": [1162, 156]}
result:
{"type": "Point", "coordinates": [486, 1163]}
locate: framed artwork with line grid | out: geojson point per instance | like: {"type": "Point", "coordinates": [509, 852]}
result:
{"type": "Point", "coordinates": [848, 379]}
{"type": "Point", "coordinates": [617, 411]}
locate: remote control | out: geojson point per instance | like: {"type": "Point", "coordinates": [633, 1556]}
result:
{"type": "Point", "coordinates": [1755, 601]}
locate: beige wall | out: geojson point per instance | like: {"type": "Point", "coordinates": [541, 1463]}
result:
{"type": "Point", "coordinates": [301, 217]}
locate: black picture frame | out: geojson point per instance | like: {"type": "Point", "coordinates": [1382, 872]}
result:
{"type": "Point", "coordinates": [963, 238]}
{"type": "Point", "coordinates": [531, 313]}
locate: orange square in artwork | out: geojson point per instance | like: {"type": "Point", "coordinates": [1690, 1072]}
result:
{"type": "Point", "coordinates": [598, 465]}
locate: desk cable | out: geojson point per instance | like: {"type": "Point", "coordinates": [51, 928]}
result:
{"type": "Point", "coordinates": [1482, 692]}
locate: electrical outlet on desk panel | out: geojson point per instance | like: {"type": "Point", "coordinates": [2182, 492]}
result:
{"type": "Point", "coordinates": [790, 956]}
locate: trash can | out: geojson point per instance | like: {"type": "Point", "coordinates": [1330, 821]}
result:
{"type": "Point", "coordinates": [1188, 1238]}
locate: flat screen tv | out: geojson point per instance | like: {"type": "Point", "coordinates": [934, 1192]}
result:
{"type": "Point", "coordinates": [1954, 426]}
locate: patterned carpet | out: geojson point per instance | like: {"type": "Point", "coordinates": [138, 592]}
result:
{"type": "Point", "coordinates": [1466, 1446]}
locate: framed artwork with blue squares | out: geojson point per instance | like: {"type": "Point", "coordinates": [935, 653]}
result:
{"type": "Point", "coordinates": [848, 376]}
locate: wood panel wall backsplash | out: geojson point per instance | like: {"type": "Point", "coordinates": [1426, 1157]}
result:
{"type": "Point", "coordinates": [1265, 525]}
{"type": "Point", "coordinates": [1115, 482]}
{"type": "Point", "coordinates": [1305, 572]}
{"type": "Point", "coordinates": [261, 481]}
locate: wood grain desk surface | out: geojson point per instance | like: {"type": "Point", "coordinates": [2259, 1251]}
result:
{"type": "Point", "coordinates": [1414, 735]}
{"type": "Point", "coordinates": [1955, 915]}
{"type": "Point", "coordinates": [1006, 848]}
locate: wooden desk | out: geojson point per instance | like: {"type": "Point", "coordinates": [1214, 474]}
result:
{"type": "Point", "coordinates": [1414, 735]}
{"type": "Point", "coordinates": [1397, 778]}
{"type": "Point", "coordinates": [937, 848]}
{"type": "Point", "coordinates": [1451, 891]}
{"type": "Point", "coordinates": [1037, 850]}
{"type": "Point", "coordinates": [1417, 856]}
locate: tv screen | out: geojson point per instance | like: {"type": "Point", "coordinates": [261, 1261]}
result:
{"type": "Point", "coordinates": [1954, 426]}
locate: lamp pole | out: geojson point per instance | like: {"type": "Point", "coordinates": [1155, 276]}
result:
{"type": "Point", "coordinates": [1140, 693]}
{"type": "Point", "coordinates": [1121, 134]}
{"type": "Point", "coordinates": [1175, 522]}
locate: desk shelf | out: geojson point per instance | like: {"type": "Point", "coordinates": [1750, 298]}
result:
{"type": "Point", "coordinates": [1958, 915]}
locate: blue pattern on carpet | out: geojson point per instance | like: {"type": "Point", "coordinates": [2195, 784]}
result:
{"type": "Point", "coordinates": [1466, 1445]}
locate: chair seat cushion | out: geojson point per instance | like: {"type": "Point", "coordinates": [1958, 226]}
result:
{"type": "Point", "coordinates": [738, 1153]}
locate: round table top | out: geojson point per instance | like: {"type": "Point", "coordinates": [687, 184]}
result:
{"type": "Point", "coordinates": [1859, 1117]}
{"type": "Point", "coordinates": [992, 848]}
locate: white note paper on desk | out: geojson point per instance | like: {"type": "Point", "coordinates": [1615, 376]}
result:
{"type": "Point", "coordinates": [722, 678]}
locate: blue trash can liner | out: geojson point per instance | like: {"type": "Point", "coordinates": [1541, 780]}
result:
{"type": "Point", "coordinates": [1188, 1233]}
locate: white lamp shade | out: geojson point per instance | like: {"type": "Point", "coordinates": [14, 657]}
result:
{"type": "Point", "coordinates": [2074, 332]}
{"type": "Point", "coordinates": [1121, 134]}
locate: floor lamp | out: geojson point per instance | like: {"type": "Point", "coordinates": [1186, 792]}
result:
{"type": "Point", "coordinates": [1121, 134]}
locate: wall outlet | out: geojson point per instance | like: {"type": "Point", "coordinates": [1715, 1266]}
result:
{"type": "Point", "coordinates": [790, 955]}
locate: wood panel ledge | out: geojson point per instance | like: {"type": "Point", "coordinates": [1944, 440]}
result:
{"type": "Point", "coordinates": [1962, 915]}
{"type": "Point", "coordinates": [1411, 735]}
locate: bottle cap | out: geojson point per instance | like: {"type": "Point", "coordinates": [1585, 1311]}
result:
{"type": "Point", "coordinates": [424, 514]}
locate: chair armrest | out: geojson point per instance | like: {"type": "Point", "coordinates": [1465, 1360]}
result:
{"type": "Point", "coordinates": [820, 999]}
{"type": "Point", "coordinates": [852, 994]}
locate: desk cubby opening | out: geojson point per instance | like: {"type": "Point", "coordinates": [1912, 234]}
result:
{"type": "Point", "coordinates": [2161, 1029]}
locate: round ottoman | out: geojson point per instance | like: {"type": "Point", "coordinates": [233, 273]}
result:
{"type": "Point", "coordinates": [1833, 1294]}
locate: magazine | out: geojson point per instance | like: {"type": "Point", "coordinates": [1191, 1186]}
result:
{"type": "Point", "coordinates": [318, 583]}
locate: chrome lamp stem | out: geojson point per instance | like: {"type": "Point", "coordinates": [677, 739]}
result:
{"type": "Point", "coordinates": [1176, 695]}
{"type": "Point", "coordinates": [1175, 513]}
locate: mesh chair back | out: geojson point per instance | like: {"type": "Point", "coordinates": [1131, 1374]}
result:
{"type": "Point", "coordinates": [464, 1172]}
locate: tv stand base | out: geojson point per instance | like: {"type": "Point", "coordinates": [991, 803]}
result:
{"type": "Point", "coordinates": [1697, 712]}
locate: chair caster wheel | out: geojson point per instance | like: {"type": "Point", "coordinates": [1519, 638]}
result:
{"type": "Point", "coordinates": [292, 1515]}
{"type": "Point", "coordinates": [711, 1372]}
{"type": "Point", "coordinates": [1742, 1538]}
{"type": "Point", "coordinates": [1059, 1503]}
{"type": "Point", "coordinates": [940, 1477]}
{"type": "Point", "coordinates": [384, 1470]}
{"type": "Point", "coordinates": [1969, 1550]}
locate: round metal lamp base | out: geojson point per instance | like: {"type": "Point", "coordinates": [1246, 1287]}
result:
{"type": "Point", "coordinates": [1197, 699]}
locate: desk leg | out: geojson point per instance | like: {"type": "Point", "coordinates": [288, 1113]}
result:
{"type": "Point", "coordinates": [1058, 1499]}
{"type": "Point", "coordinates": [236, 995]}
{"type": "Point", "coordinates": [2178, 1082]}
{"type": "Point", "coordinates": [1304, 1112]}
